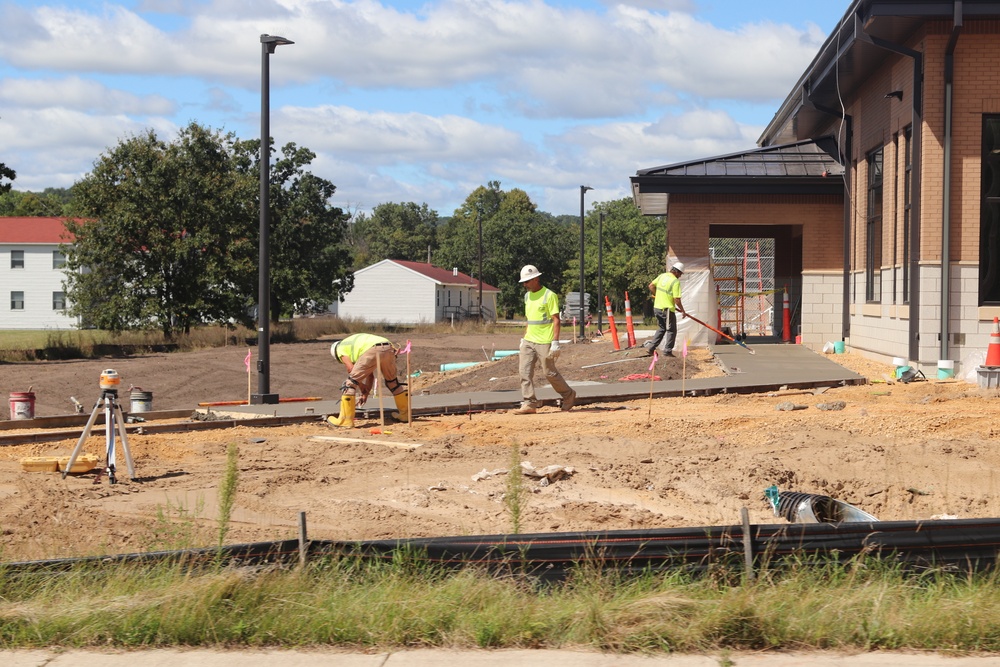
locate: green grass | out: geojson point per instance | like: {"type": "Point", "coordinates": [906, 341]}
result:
{"type": "Point", "coordinates": [351, 604]}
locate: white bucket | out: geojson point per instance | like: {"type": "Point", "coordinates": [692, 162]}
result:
{"type": "Point", "coordinates": [898, 361]}
{"type": "Point", "coordinates": [946, 369]}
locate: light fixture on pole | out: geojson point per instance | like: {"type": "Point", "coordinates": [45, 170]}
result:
{"type": "Point", "coordinates": [268, 43]}
{"type": "Point", "coordinates": [583, 189]}
{"type": "Point", "coordinates": [600, 272]}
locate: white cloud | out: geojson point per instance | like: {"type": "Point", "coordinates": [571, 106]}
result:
{"type": "Point", "coordinates": [81, 95]}
{"type": "Point", "coordinates": [385, 137]}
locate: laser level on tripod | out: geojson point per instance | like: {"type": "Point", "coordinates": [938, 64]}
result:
{"type": "Point", "coordinates": [113, 419]}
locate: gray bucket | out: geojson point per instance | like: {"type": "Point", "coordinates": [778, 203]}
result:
{"type": "Point", "coordinates": [142, 401]}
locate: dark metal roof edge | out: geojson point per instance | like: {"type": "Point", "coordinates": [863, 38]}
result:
{"type": "Point", "coordinates": [792, 185]}
{"type": "Point", "coordinates": [825, 143]}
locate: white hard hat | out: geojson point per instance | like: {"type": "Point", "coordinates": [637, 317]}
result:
{"type": "Point", "coordinates": [529, 271]}
{"type": "Point", "coordinates": [333, 349]}
{"type": "Point", "coordinates": [678, 267]}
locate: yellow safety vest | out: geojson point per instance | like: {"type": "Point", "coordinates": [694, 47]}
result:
{"type": "Point", "coordinates": [668, 288]}
{"type": "Point", "coordinates": [357, 344]}
{"type": "Point", "coordinates": [539, 307]}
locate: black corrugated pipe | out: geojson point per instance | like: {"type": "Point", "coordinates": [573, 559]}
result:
{"type": "Point", "coordinates": [949, 81]}
{"type": "Point", "coordinates": [913, 351]}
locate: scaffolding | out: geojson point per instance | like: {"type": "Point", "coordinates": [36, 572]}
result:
{"type": "Point", "coordinates": [743, 271]}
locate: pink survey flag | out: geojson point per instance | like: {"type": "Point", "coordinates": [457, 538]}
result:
{"type": "Point", "coordinates": [653, 362]}
{"type": "Point", "coordinates": [684, 349]}
{"type": "Point", "coordinates": [246, 362]}
{"type": "Point", "coordinates": [406, 350]}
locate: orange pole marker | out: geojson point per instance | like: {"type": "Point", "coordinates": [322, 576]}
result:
{"type": "Point", "coordinates": [993, 351]}
{"type": "Point", "coordinates": [628, 322]}
{"type": "Point", "coordinates": [611, 324]}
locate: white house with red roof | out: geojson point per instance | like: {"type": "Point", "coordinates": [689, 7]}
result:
{"type": "Point", "coordinates": [32, 295]}
{"type": "Point", "coordinates": [396, 291]}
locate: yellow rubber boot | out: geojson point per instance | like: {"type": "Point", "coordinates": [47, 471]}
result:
{"type": "Point", "coordinates": [346, 417]}
{"type": "Point", "coordinates": [403, 407]}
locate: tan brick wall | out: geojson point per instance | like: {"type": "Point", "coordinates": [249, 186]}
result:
{"type": "Point", "coordinates": [821, 219]}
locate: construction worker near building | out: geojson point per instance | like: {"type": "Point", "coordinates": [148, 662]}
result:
{"type": "Point", "coordinates": [666, 291]}
{"type": "Point", "coordinates": [540, 343]}
{"type": "Point", "coordinates": [364, 355]}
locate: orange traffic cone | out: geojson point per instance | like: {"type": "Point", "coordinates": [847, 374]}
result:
{"type": "Point", "coordinates": [993, 351]}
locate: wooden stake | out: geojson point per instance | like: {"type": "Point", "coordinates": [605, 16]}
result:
{"type": "Point", "coordinates": [378, 381]}
{"type": "Point", "coordinates": [409, 381]}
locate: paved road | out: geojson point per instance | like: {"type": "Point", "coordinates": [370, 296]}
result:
{"type": "Point", "coordinates": [445, 658]}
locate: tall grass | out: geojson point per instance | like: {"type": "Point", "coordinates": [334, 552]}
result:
{"type": "Point", "coordinates": [514, 493]}
{"type": "Point", "coordinates": [349, 603]}
{"type": "Point", "coordinates": [227, 490]}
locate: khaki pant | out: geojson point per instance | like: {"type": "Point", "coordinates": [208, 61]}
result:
{"type": "Point", "coordinates": [362, 376]}
{"type": "Point", "coordinates": [530, 354]}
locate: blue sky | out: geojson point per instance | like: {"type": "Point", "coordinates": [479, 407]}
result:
{"type": "Point", "coordinates": [409, 101]}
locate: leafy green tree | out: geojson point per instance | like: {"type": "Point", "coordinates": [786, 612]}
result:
{"type": "Point", "coordinates": [514, 234]}
{"type": "Point", "coordinates": [169, 244]}
{"type": "Point", "coordinates": [635, 249]}
{"type": "Point", "coordinates": [310, 263]}
{"type": "Point", "coordinates": [51, 202]}
{"type": "Point", "coordinates": [9, 174]}
{"type": "Point", "coordinates": [395, 231]}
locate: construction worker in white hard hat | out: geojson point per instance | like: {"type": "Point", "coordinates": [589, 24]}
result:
{"type": "Point", "coordinates": [540, 343]}
{"type": "Point", "coordinates": [363, 355]}
{"type": "Point", "coordinates": [666, 290]}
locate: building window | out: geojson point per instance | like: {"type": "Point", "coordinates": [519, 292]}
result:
{"type": "Point", "coordinates": [17, 259]}
{"type": "Point", "coordinates": [59, 301]}
{"type": "Point", "coordinates": [58, 259]}
{"type": "Point", "coordinates": [989, 214]}
{"type": "Point", "coordinates": [437, 298]}
{"type": "Point", "coordinates": [873, 229]}
{"type": "Point", "coordinates": [17, 300]}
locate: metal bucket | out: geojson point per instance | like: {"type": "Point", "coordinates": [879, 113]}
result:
{"type": "Point", "coordinates": [22, 405]}
{"type": "Point", "coordinates": [141, 401]}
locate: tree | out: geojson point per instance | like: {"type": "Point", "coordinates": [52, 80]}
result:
{"type": "Point", "coordinates": [50, 202]}
{"type": "Point", "coordinates": [169, 241]}
{"type": "Point", "coordinates": [395, 231]}
{"type": "Point", "coordinates": [635, 249]}
{"type": "Point", "coordinates": [9, 174]}
{"type": "Point", "coordinates": [310, 263]}
{"type": "Point", "coordinates": [514, 234]}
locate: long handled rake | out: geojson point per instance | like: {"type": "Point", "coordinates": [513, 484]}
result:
{"type": "Point", "coordinates": [724, 335]}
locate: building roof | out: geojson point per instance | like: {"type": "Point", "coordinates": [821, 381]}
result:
{"type": "Point", "coordinates": [33, 230]}
{"type": "Point", "coordinates": [807, 167]}
{"type": "Point", "coordinates": [439, 275]}
{"type": "Point", "coordinates": [870, 32]}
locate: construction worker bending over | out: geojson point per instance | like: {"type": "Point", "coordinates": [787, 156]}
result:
{"type": "Point", "coordinates": [666, 291]}
{"type": "Point", "coordinates": [363, 355]}
{"type": "Point", "coordinates": [540, 342]}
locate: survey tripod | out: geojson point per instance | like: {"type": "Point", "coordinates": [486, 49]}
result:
{"type": "Point", "coordinates": [112, 418]}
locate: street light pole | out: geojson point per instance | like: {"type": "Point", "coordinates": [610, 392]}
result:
{"type": "Point", "coordinates": [600, 272]}
{"type": "Point", "coordinates": [268, 43]}
{"type": "Point", "coordinates": [479, 219]}
{"type": "Point", "coordinates": [583, 189]}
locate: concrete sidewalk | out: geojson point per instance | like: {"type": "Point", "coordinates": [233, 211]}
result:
{"type": "Point", "coordinates": [770, 368]}
{"type": "Point", "coordinates": [445, 658]}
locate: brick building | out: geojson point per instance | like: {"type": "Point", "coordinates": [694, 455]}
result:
{"type": "Point", "coordinates": [883, 159]}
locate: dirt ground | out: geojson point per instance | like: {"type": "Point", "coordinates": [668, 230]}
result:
{"type": "Point", "coordinates": [921, 450]}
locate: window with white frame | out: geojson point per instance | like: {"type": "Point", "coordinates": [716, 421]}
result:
{"type": "Point", "coordinates": [58, 259]}
{"type": "Point", "coordinates": [17, 259]}
{"type": "Point", "coordinates": [59, 301]}
{"type": "Point", "coordinates": [17, 300]}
